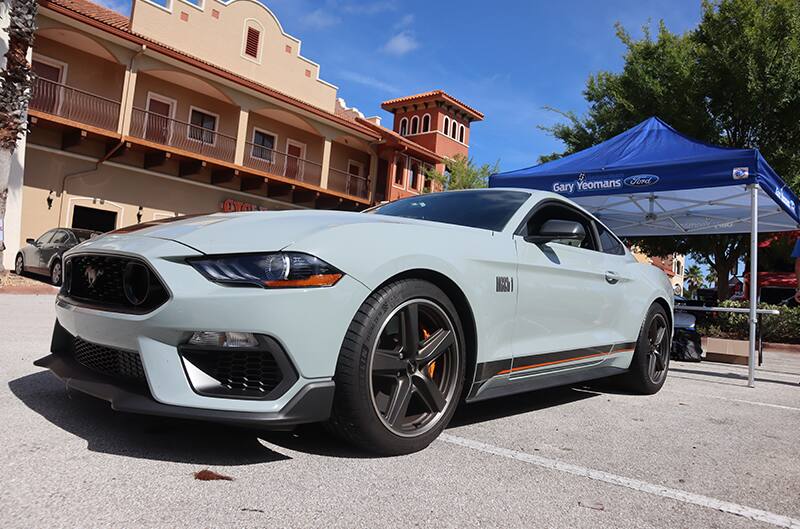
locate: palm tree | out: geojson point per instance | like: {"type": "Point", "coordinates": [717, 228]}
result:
{"type": "Point", "coordinates": [16, 82]}
{"type": "Point", "coordinates": [694, 279]}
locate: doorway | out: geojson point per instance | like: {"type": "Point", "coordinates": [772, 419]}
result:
{"type": "Point", "coordinates": [158, 126]}
{"type": "Point", "coordinates": [295, 154]}
{"type": "Point", "coordinates": [86, 218]}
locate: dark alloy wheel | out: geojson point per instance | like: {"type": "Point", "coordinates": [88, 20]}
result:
{"type": "Point", "coordinates": [19, 265]}
{"type": "Point", "coordinates": [414, 367]}
{"type": "Point", "coordinates": [55, 273]}
{"type": "Point", "coordinates": [401, 369]}
{"type": "Point", "coordinates": [650, 362]}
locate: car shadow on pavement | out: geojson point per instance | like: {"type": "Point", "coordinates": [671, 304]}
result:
{"type": "Point", "coordinates": [139, 436]}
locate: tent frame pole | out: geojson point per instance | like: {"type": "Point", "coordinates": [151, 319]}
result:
{"type": "Point", "coordinates": [751, 374]}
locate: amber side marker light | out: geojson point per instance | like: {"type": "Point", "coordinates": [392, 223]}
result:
{"type": "Point", "coordinates": [321, 280]}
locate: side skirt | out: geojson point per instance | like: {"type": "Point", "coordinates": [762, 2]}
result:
{"type": "Point", "coordinates": [533, 372]}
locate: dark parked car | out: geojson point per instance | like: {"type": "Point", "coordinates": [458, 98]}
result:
{"type": "Point", "coordinates": [43, 255]}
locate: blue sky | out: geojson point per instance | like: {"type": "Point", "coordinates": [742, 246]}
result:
{"type": "Point", "coordinates": [508, 59]}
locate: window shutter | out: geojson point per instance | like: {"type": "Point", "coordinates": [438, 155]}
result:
{"type": "Point", "coordinates": [251, 45]}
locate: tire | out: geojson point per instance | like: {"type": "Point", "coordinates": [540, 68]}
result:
{"type": "Point", "coordinates": [56, 273]}
{"type": "Point", "coordinates": [19, 265]}
{"type": "Point", "coordinates": [393, 397]}
{"type": "Point", "coordinates": [650, 362]}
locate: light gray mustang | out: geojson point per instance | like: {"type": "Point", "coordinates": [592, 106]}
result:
{"type": "Point", "coordinates": [378, 323]}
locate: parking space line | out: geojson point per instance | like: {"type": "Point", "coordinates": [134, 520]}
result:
{"type": "Point", "coordinates": [634, 484]}
{"type": "Point", "coordinates": [742, 401]}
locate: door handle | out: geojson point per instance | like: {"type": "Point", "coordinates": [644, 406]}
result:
{"type": "Point", "coordinates": [612, 278]}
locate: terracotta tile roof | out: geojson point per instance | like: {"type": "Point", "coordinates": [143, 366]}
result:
{"type": "Point", "coordinates": [97, 12]}
{"type": "Point", "coordinates": [388, 133]}
{"type": "Point", "coordinates": [434, 94]}
{"type": "Point", "coordinates": [120, 22]}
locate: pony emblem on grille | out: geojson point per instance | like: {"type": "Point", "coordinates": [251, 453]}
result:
{"type": "Point", "coordinates": [92, 274]}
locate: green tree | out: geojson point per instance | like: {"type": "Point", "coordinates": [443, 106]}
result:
{"type": "Point", "coordinates": [462, 173]}
{"type": "Point", "coordinates": [711, 278]}
{"type": "Point", "coordinates": [694, 279]}
{"type": "Point", "coordinates": [733, 81]}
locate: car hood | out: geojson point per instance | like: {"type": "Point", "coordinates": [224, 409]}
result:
{"type": "Point", "coordinates": [252, 231]}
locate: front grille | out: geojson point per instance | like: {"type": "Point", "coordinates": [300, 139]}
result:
{"type": "Point", "coordinates": [112, 282]}
{"type": "Point", "coordinates": [114, 363]}
{"type": "Point", "coordinates": [240, 372]}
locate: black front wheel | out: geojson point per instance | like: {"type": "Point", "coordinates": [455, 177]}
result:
{"type": "Point", "coordinates": [400, 370]}
{"type": "Point", "coordinates": [650, 362]}
{"type": "Point", "coordinates": [19, 265]}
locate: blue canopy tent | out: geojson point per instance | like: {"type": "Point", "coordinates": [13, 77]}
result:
{"type": "Point", "coordinates": [652, 180]}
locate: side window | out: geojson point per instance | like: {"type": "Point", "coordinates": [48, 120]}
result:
{"type": "Point", "coordinates": [44, 239]}
{"type": "Point", "coordinates": [609, 242]}
{"type": "Point", "coordinates": [61, 237]}
{"type": "Point", "coordinates": [554, 211]}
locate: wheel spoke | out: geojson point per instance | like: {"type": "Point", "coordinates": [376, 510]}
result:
{"type": "Point", "coordinates": [387, 362]}
{"type": "Point", "coordinates": [659, 359]}
{"type": "Point", "coordinates": [434, 346]}
{"type": "Point", "coordinates": [398, 405]}
{"type": "Point", "coordinates": [410, 321]}
{"type": "Point", "coordinates": [429, 392]}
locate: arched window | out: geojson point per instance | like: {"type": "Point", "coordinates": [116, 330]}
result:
{"type": "Point", "coordinates": [426, 123]}
{"type": "Point", "coordinates": [461, 133]}
{"type": "Point", "coordinates": [403, 126]}
{"type": "Point", "coordinates": [454, 130]}
{"type": "Point", "coordinates": [446, 126]}
{"type": "Point", "coordinates": [414, 125]}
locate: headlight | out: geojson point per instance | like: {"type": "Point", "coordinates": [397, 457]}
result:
{"type": "Point", "coordinates": [268, 270]}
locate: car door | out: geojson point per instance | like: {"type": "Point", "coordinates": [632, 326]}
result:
{"type": "Point", "coordinates": [625, 296]}
{"type": "Point", "coordinates": [564, 306]}
{"type": "Point", "coordinates": [52, 247]}
{"type": "Point", "coordinates": [33, 253]}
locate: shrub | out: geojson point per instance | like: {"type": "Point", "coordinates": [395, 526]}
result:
{"type": "Point", "coordinates": [783, 328]}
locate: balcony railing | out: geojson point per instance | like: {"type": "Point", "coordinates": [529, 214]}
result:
{"type": "Point", "coordinates": [354, 185]}
{"type": "Point", "coordinates": [282, 164]}
{"type": "Point", "coordinates": [73, 104]}
{"type": "Point", "coordinates": [181, 135]}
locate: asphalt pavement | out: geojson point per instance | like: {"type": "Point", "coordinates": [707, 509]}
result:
{"type": "Point", "coordinates": [705, 452]}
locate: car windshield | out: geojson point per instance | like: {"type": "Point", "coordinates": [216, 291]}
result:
{"type": "Point", "coordinates": [486, 209]}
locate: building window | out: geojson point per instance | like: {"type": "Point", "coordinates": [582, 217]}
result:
{"type": "Point", "coordinates": [414, 125]}
{"type": "Point", "coordinates": [403, 127]}
{"type": "Point", "coordinates": [446, 126]}
{"type": "Point", "coordinates": [461, 133]}
{"type": "Point", "coordinates": [251, 45]}
{"type": "Point", "coordinates": [454, 130]}
{"type": "Point", "coordinates": [203, 126]}
{"type": "Point", "coordinates": [414, 184]}
{"type": "Point", "coordinates": [426, 123]}
{"type": "Point", "coordinates": [264, 145]}
{"type": "Point", "coordinates": [400, 171]}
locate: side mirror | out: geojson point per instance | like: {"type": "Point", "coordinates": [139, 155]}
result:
{"type": "Point", "coordinates": [555, 229]}
{"type": "Point", "coordinates": [31, 241]}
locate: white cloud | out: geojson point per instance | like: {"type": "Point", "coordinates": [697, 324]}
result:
{"type": "Point", "coordinates": [404, 22]}
{"type": "Point", "coordinates": [401, 44]}
{"type": "Point", "coordinates": [320, 19]}
{"type": "Point", "coordinates": [367, 80]}
{"type": "Point", "coordinates": [120, 6]}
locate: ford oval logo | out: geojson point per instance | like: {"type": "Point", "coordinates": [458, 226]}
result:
{"type": "Point", "coordinates": [640, 180]}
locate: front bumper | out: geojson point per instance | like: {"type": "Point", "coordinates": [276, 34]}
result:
{"type": "Point", "coordinates": [308, 324]}
{"type": "Point", "coordinates": [311, 404]}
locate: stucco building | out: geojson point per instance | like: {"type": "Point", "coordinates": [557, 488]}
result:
{"type": "Point", "coordinates": [192, 107]}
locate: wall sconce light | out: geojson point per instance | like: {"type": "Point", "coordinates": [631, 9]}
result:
{"type": "Point", "coordinates": [139, 215]}
{"type": "Point", "coordinates": [49, 200]}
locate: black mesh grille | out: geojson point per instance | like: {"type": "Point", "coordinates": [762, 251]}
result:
{"type": "Point", "coordinates": [239, 372]}
{"type": "Point", "coordinates": [99, 280]}
{"type": "Point", "coordinates": [112, 362]}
